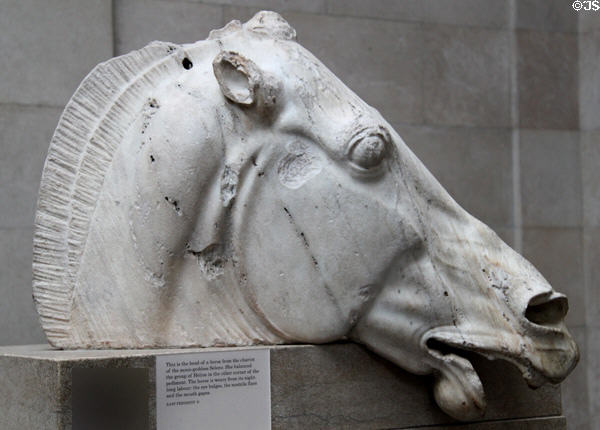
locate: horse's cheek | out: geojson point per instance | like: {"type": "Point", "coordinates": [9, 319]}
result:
{"type": "Point", "coordinates": [318, 241]}
{"type": "Point", "coordinates": [281, 273]}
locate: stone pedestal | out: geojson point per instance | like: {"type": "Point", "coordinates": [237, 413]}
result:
{"type": "Point", "coordinates": [337, 386]}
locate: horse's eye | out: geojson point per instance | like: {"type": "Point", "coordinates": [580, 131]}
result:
{"type": "Point", "coordinates": [367, 152]}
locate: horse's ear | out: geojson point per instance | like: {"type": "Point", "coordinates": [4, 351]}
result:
{"type": "Point", "coordinates": [238, 77]}
{"type": "Point", "coordinates": [242, 82]}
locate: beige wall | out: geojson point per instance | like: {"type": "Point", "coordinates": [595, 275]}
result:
{"type": "Point", "coordinates": [499, 98]}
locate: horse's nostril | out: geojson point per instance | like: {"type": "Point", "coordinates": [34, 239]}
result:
{"type": "Point", "coordinates": [550, 311]}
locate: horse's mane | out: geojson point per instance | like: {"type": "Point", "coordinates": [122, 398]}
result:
{"type": "Point", "coordinates": [81, 151]}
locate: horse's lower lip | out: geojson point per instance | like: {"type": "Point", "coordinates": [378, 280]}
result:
{"type": "Point", "coordinates": [457, 388]}
{"type": "Point", "coordinates": [443, 341]}
{"type": "Point", "coordinates": [442, 344]}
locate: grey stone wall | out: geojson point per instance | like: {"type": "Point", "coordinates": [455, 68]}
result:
{"type": "Point", "coordinates": [589, 111]}
{"type": "Point", "coordinates": [499, 98]}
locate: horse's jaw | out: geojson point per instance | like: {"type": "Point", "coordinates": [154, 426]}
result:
{"type": "Point", "coordinates": [486, 299]}
{"type": "Point", "coordinates": [446, 351]}
{"type": "Point", "coordinates": [543, 358]}
{"type": "Point", "coordinates": [398, 326]}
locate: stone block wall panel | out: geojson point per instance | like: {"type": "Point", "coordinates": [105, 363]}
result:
{"type": "Point", "coordinates": [590, 172]}
{"type": "Point", "coordinates": [138, 23]}
{"type": "Point", "coordinates": [591, 254]}
{"type": "Point", "coordinates": [575, 387]}
{"type": "Point", "coordinates": [475, 13]}
{"type": "Point", "coordinates": [549, 15]}
{"type": "Point", "coordinates": [547, 80]}
{"type": "Point", "coordinates": [550, 173]}
{"type": "Point", "coordinates": [589, 88]}
{"type": "Point", "coordinates": [25, 133]}
{"type": "Point", "coordinates": [40, 38]}
{"type": "Point", "coordinates": [20, 323]}
{"type": "Point", "coordinates": [593, 373]}
{"type": "Point", "coordinates": [589, 20]}
{"type": "Point", "coordinates": [466, 76]}
{"type": "Point", "coordinates": [281, 6]}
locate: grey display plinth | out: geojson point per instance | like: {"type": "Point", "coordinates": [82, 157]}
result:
{"type": "Point", "coordinates": [317, 387]}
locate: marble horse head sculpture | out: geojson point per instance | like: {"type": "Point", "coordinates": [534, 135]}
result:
{"type": "Point", "coordinates": [233, 191]}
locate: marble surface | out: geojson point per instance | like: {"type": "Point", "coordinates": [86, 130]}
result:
{"type": "Point", "coordinates": [234, 192]}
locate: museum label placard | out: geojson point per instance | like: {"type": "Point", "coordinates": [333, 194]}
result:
{"type": "Point", "coordinates": [214, 390]}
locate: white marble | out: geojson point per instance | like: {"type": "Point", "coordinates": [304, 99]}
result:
{"type": "Point", "coordinates": [234, 192]}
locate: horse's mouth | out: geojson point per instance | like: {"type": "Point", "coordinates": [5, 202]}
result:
{"type": "Point", "coordinates": [458, 388]}
{"type": "Point", "coordinates": [442, 347]}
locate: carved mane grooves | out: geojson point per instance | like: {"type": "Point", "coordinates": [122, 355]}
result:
{"type": "Point", "coordinates": [81, 150]}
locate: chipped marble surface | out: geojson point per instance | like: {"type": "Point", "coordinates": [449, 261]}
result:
{"type": "Point", "coordinates": [233, 191]}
